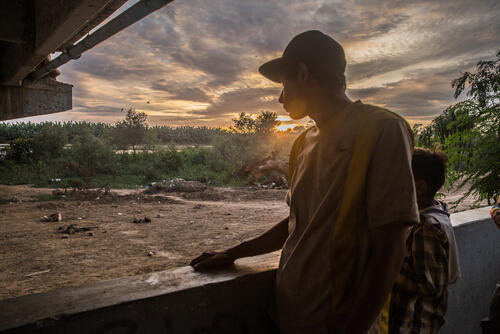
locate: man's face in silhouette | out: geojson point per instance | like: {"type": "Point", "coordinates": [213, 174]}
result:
{"type": "Point", "coordinates": [294, 94]}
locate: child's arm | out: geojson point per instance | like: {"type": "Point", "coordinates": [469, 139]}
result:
{"type": "Point", "coordinates": [430, 252]}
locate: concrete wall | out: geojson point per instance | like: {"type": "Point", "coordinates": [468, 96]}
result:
{"type": "Point", "coordinates": [478, 241]}
{"type": "Point", "coordinates": [181, 301]}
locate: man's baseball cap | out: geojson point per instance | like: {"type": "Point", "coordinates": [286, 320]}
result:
{"type": "Point", "coordinates": [322, 55]}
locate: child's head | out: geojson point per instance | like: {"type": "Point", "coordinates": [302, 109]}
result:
{"type": "Point", "coordinates": [429, 169]}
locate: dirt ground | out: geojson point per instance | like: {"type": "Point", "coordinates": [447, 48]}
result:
{"type": "Point", "coordinates": [36, 257]}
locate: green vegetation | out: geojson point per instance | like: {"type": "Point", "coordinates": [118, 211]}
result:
{"type": "Point", "coordinates": [469, 132]}
{"type": "Point", "coordinates": [132, 154]}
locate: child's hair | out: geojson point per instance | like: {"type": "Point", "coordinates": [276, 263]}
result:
{"type": "Point", "coordinates": [429, 166]}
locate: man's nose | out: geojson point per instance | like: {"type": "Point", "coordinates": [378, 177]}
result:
{"type": "Point", "coordinates": [281, 98]}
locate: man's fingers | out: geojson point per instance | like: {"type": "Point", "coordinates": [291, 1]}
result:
{"type": "Point", "coordinates": [203, 257]}
{"type": "Point", "coordinates": [214, 262]}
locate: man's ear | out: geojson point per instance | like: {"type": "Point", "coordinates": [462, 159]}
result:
{"type": "Point", "coordinates": [302, 72]}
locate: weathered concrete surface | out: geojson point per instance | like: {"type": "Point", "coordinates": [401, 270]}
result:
{"type": "Point", "coordinates": [39, 98]}
{"type": "Point", "coordinates": [43, 26]}
{"type": "Point", "coordinates": [478, 241]}
{"type": "Point", "coordinates": [173, 301]}
{"type": "Point", "coordinates": [234, 301]}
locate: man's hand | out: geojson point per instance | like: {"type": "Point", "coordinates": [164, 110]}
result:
{"type": "Point", "coordinates": [495, 215]}
{"type": "Point", "coordinates": [269, 241]}
{"type": "Point", "coordinates": [212, 260]}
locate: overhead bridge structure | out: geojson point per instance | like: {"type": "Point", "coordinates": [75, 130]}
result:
{"type": "Point", "coordinates": [32, 30]}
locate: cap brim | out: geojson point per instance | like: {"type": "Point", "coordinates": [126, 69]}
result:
{"type": "Point", "coordinates": [273, 70]}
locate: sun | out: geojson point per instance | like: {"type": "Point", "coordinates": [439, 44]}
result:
{"type": "Point", "coordinates": [285, 127]}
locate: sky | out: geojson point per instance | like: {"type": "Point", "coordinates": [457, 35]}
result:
{"type": "Point", "coordinates": [195, 62]}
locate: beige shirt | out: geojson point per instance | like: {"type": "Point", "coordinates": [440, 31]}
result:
{"type": "Point", "coordinates": [352, 175]}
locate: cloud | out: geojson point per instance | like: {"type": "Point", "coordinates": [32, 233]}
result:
{"type": "Point", "coordinates": [176, 92]}
{"type": "Point", "coordinates": [423, 97]}
{"type": "Point", "coordinates": [195, 62]}
{"type": "Point", "coordinates": [248, 100]}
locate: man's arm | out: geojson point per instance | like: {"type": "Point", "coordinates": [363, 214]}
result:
{"type": "Point", "coordinates": [385, 261]}
{"type": "Point", "coordinates": [267, 242]}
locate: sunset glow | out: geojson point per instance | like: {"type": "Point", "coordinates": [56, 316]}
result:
{"type": "Point", "coordinates": [285, 127]}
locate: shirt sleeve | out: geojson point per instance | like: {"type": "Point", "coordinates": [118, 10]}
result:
{"type": "Point", "coordinates": [390, 194]}
{"type": "Point", "coordinates": [430, 251]}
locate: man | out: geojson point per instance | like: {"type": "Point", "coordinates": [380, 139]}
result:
{"type": "Point", "coordinates": [419, 298]}
{"type": "Point", "coordinates": [351, 199]}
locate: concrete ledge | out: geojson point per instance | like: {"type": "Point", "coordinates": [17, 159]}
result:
{"type": "Point", "coordinates": [170, 301]}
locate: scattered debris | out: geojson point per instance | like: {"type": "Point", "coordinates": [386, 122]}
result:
{"type": "Point", "coordinates": [37, 273]}
{"type": "Point", "coordinates": [144, 220]}
{"type": "Point", "coordinates": [73, 228]}
{"type": "Point", "coordinates": [55, 217]}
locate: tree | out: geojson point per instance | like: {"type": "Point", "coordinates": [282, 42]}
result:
{"type": "Point", "coordinates": [264, 123]}
{"type": "Point", "coordinates": [131, 131]}
{"type": "Point", "coordinates": [473, 139]}
{"type": "Point", "coordinates": [243, 124]}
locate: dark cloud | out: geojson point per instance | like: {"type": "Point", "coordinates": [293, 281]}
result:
{"type": "Point", "coordinates": [176, 92]}
{"type": "Point", "coordinates": [424, 97]}
{"type": "Point", "coordinates": [248, 100]}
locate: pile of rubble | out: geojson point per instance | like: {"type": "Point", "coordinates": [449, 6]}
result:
{"type": "Point", "coordinates": [175, 185]}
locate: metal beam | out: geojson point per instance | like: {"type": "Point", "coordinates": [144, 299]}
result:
{"type": "Point", "coordinates": [122, 21]}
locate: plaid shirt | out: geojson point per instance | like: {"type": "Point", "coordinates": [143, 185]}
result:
{"type": "Point", "coordinates": [419, 297]}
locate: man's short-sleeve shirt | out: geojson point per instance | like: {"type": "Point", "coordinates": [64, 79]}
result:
{"type": "Point", "coordinates": [352, 175]}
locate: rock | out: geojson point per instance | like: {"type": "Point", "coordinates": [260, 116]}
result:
{"type": "Point", "coordinates": [159, 215]}
{"type": "Point", "coordinates": [198, 206]}
{"type": "Point", "coordinates": [151, 253]}
{"type": "Point", "coordinates": [73, 228]}
{"type": "Point", "coordinates": [144, 220]}
{"type": "Point", "coordinates": [64, 236]}
{"type": "Point", "coordinates": [90, 234]}
{"type": "Point", "coordinates": [226, 228]}
{"type": "Point", "coordinates": [55, 217]}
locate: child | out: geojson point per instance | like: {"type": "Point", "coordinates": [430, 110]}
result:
{"type": "Point", "coordinates": [419, 297]}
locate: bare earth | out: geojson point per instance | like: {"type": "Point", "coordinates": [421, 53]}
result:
{"type": "Point", "coordinates": [34, 257]}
